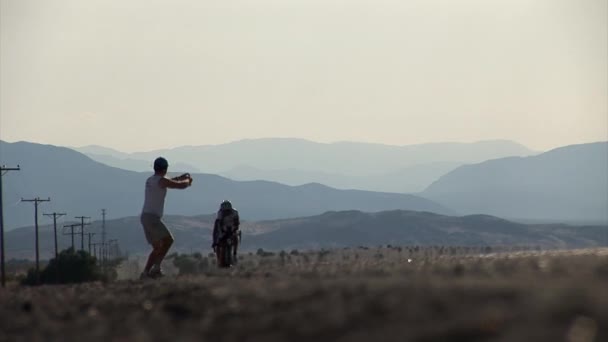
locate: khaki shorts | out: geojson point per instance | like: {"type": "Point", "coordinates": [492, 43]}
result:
{"type": "Point", "coordinates": [154, 228]}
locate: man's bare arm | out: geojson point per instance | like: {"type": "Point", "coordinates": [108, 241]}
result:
{"type": "Point", "coordinates": [184, 176]}
{"type": "Point", "coordinates": [174, 184]}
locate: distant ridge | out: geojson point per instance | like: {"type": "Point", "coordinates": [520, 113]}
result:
{"type": "Point", "coordinates": [565, 184]}
{"type": "Point", "coordinates": [305, 155]}
{"type": "Point", "coordinates": [336, 229]}
{"type": "Point", "coordinates": [343, 165]}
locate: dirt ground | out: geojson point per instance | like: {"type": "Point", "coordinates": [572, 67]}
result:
{"type": "Point", "coordinates": [354, 295]}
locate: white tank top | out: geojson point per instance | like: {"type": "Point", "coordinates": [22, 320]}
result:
{"type": "Point", "coordinates": [154, 202]}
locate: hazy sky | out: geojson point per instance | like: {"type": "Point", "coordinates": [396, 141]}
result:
{"type": "Point", "coordinates": [147, 74]}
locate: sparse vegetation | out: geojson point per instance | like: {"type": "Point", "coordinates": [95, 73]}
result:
{"type": "Point", "coordinates": [69, 267]}
{"type": "Point", "coordinates": [410, 293]}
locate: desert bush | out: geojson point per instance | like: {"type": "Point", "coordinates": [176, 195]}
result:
{"type": "Point", "coordinates": [204, 264]}
{"type": "Point", "coordinates": [283, 256]}
{"type": "Point", "coordinates": [186, 264]}
{"type": "Point", "coordinates": [69, 267]}
{"type": "Point", "coordinates": [262, 253]}
{"type": "Point", "coordinates": [323, 253]}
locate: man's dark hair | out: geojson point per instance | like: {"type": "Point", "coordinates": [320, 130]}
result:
{"type": "Point", "coordinates": [160, 164]}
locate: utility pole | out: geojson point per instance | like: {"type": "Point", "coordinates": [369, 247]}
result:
{"type": "Point", "coordinates": [55, 216]}
{"type": "Point", "coordinates": [2, 270]}
{"type": "Point", "coordinates": [112, 247]}
{"type": "Point", "coordinates": [102, 253]}
{"type": "Point", "coordinates": [103, 234]}
{"type": "Point", "coordinates": [90, 234]}
{"type": "Point", "coordinates": [95, 249]}
{"type": "Point", "coordinates": [82, 224]}
{"type": "Point", "coordinates": [71, 226]}
{"type": "Point", "coordinates": [36, 201]}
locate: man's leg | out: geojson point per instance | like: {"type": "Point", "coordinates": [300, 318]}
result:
{"type": "Point", "coordinates": [162, 243]}
{"type": "Point", "coordinates": [148, 222]}
{"type": "Point", "coordinates": [165, 245]}
{"type": "Point", "coordinates": [154, 255]}
{"type": "Point", "coordinates": [234, 250]}
{"type": "Point", "coordinates": [222, 255]}
{"type": "Point", "coordinates": [218, 255]}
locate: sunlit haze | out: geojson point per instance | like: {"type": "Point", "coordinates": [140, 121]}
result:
{"type": "Point", "coordinates": [146, 74]}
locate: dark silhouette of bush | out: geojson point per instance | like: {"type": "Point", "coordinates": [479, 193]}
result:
{"type": "Point", "coordinates": [261, 252]}
{"type": "Point", "coordinates": [186, 264]}
{"type": "Point", "coordinates": [192, 263]}
{"type": "Point", "coordinates": [68, 267]}
{"type": "Point", "coordinates": [283, 257]}
{"type": "Point", "coordinates": [322, 254]}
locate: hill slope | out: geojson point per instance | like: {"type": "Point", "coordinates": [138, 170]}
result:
{"type": "Point", "coordinates": [568, 183]}
{"type": "Point", "coordinates": [333, 229]}
{"type": "Point", "coordinates": [353, 228]}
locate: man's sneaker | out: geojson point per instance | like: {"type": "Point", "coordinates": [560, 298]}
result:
{"type": "Point", "coordinates": [144, 276]}
{"type": "Point", "coordinates": [155, 272]}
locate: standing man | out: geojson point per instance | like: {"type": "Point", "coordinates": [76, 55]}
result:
{"type": "Point", "coordinates": [155, 230]}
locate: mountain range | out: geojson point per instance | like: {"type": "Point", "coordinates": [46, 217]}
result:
{"type": "Point", "coordinates": [343, 165]}
{"type": "Point", "coordinates": [79, 185]}
{"type": "Point", "coordinates": [330, 230]}
{"type": "Point", "coordinates": [567, 184]}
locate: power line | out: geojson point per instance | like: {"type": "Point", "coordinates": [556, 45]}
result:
{"type": "Point", "coordinates": [55, 216]}
{"type": "Point", "coordinates": [112, 248]}
{"type": "Point", "coordinates": [82, 224]}
{"type": "Point", "coordinates": [90, 235]}
{"type": "Point", "coordinates": [71, 226]}
{"type": "Point", "coordinates": [95, 249]}
{"type": "Point", "coordinates": [2, 268]}
{"type": "Point", "coordinates": [36, 201]}
{"type": "Point", "coordinates": [103, 234]}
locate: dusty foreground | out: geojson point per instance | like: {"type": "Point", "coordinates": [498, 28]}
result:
{"type": "Point", "coordinates": [338, 296]}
